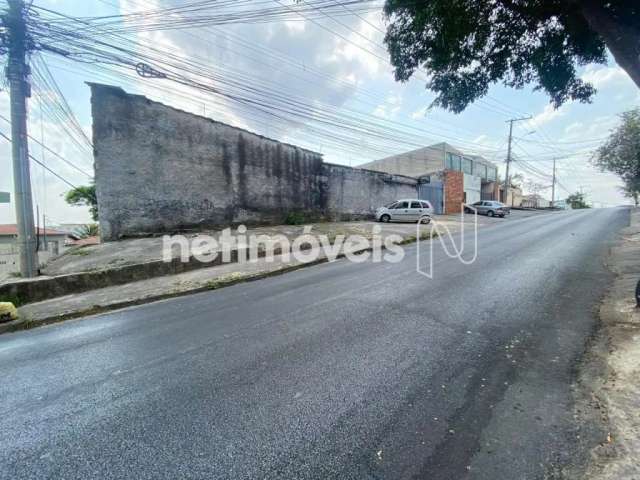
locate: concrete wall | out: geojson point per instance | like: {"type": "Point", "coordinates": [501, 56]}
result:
{"type": "Point", "coordinates": [10, 257]}
{"type": "Point", "coordinates": [356, 193]}
{"type": "Point", "coordinates": [514, 197]}
{"type": "Point", "coordinates": [490, 191]}
{"type": "Point", "coordinates": [472, 187]}
{"type": "Point", "coordinates": [412, 164]}
{"type": "Point", "coordinates": [159, 169]}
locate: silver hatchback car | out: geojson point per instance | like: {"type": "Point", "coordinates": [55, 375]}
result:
{"type": "Point", "coordinates": [406, 210]}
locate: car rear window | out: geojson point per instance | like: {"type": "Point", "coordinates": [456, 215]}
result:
{"type": "Point", "coordinates": [426, 205]}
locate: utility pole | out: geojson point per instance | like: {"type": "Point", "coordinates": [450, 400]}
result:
{"type": "Point", "coordinates": [553, 185]}
{"type": "Point", "coordinates": [17, 72]}
{"type": "Point", "coordinates": [506, 177]}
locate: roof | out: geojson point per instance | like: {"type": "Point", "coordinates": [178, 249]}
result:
{"type": "Point", "coordinates": [12, 229]}
{"type": "Point", "coordinates": [438, 147]}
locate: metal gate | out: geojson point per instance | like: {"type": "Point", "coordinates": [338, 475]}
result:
{"type": "Point", "coordinates": [434, 193]}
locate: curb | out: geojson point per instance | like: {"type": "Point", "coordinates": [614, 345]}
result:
{"type": "Point", "coordinates": [21, 292]}
{"type": "Point", "coordinates": [27, 324]}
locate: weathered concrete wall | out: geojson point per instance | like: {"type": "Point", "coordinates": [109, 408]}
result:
{"type": "Point", "coordinates": [159, 169]}
{"type": "Point", "coordinates": [490, 191]}
{"type": "Point", "coordinates": [354, 193]}
{"type": "Point", "coordinates": [472, 187]}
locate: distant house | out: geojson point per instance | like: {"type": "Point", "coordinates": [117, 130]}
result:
{"type": "Point", "coordinates": [51, 243]}
{"type": "Point", "coordinates": [513, 197]}
{"type": "Point", "coordinates": [479, 176]}
{"type": "Point", "coordinates": [534, 201]}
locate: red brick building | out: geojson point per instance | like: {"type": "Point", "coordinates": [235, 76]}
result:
{"type": "Point", "coordinates": [453, 191]}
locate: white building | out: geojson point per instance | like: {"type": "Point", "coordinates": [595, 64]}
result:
{"type": "Point", "coordinates": [51, 244]}
{"type": "Point", "coordinates": [478, 172]}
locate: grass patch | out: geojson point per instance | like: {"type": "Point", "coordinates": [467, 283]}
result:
{"type": "Point", "coordinates": [423, 236]}
{"type": "Point", "coordinates": [79, 251]}
{"type": "Point", "coordinates": [17, 300]}
{"type": "Point", "coordinates": [295, 218]}
{"type": "Point", "coordinates": [224, 280]}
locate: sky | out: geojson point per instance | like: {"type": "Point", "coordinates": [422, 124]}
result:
{"type": "Point", "coordinates": [337, 63]}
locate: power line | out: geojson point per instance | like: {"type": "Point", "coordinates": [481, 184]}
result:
{"type": "Point", "coordinates": [71, 164]}
{"type": "Point", "coordinates": [267, 107]}
{"type": "Point", "coordinates": [42, 164]}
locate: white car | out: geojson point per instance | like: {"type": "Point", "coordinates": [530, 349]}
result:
{"type": "Point", "coordinates": [406, 210]}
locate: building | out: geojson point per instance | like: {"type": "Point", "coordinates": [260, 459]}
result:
{"type": "Point", "coordinates": [534, 200]}
{"type": "Point", "coordinates": [513, 198]}
{"type": "Point", "coordinates": [479, 176]}
{"type": "Point", "coordinates": [51, 243]}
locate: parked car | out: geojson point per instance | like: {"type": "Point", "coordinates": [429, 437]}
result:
{"type": "Point", "coordinates": [406, 210]}
{"type": "Point", "coordinates": [490, 208]}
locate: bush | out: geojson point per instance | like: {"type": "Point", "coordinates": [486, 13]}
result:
{"type": "Point", "coordinates": [295, 218]}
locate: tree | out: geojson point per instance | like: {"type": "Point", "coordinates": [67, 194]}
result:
{"type": "Point", "coordinates": [467, 45]}
{"type": "Point", "coordinates": [84, 196]}
{"type": "Point", "coordinates": [578, 200]}
{"type": "Point", "coordinates": [631, 189]}
{"type": "Point", "coordinates": [516, 180]}
{"type": "Point", "coordinates": [89, 230]}
{"type": "Point", "coordinates": [620, 154]}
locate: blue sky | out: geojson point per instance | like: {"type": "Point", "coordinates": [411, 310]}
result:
{"type": "Point", "coordinates": [338, 65]}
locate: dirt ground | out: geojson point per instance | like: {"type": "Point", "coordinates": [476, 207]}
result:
{"type": "Point", "coordinates": [611, 375]}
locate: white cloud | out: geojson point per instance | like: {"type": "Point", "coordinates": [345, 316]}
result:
{"type": "Point", "coordinates": [575, 127]}
{"type": "Point", "coordinates": [548, 114]}
{"type": "Point", "coordinates": [602, 76]}
{"type": "Point", "coordinates": [420, 113]}
{"type": "Point", "coordinates": [295, 27]}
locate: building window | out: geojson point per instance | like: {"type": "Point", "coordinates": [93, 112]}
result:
{"type": "Point", "coordinates": [491, 173]}
{"type": "Point", "coordinates": [467, 166]}
{"type": "Point", "coordinates": [481, 170]}
{"type": "Point", "coordinates": [453, 162]}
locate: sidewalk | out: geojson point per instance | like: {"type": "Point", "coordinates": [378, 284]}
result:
{"type": "Point", "coordinates": [100, 264]}
{"type": "Point", "coordinates": [131, 260]}
{"type": "Point", "coordinates": [616, 392]}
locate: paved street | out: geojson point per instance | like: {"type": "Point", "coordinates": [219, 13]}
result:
{"type": "Point", "coordinates": [346, 371]}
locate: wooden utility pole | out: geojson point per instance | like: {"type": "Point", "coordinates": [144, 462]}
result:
{"type": "Point", "coordinates": [506, 177]}
{"type": "Point", "coordinates": [17, 73]}
{"type": "Point", "coordinates": [553, 185]}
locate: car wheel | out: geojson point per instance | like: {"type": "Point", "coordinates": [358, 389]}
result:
{"type": "Point", "coordinates": [467, 210]}
{"type": "Point", "coordinates": [385, 218]}
{"type": "Point", "coordinates": [490, 213]}
{"type": "Point", "coordinates": [426, 220]}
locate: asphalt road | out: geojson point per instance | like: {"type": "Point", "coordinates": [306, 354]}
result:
{"type": "Point", "coordinates": [363, 371]}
